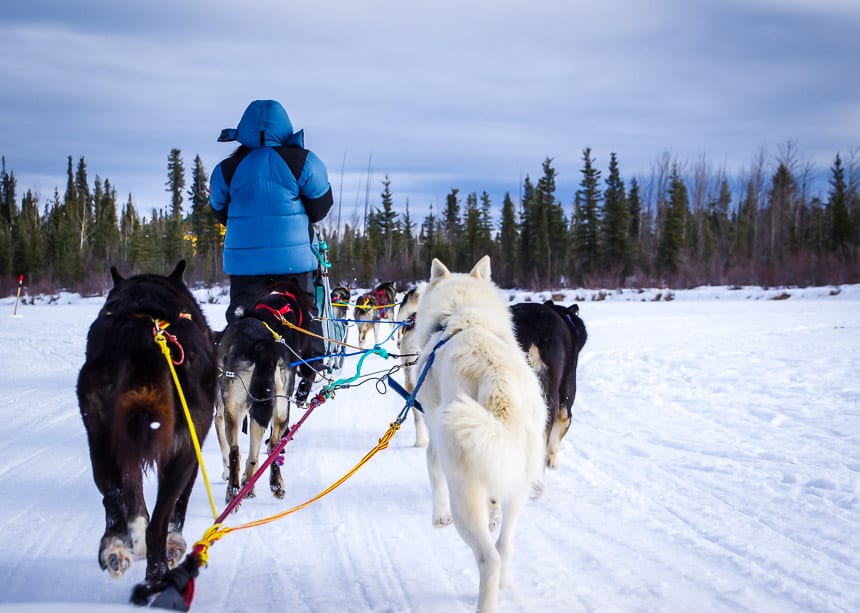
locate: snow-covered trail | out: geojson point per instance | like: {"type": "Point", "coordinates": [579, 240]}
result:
{"type": "Point", "coordinates": [713, 465]}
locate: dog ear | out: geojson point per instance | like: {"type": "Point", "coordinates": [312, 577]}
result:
{"type": "Point", "coordinates": [482, 269]}
{"type": "Point", "coordinates": [114, 273]}
{"type": "Point", "coordinates": [438, 270]}
{"type": "Point", "coordinates": [176, 275]}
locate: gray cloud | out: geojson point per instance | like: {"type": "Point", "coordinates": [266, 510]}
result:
{"type": "Point", "coordinates": [468, 94]}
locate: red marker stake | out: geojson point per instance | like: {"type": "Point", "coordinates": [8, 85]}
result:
{"type": "Point", "coordinates": [18, 295]}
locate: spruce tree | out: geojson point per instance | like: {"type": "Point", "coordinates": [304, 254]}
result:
{"type": "Point", "coordinates": [615, 229]}
{"type": "Point", "coordinates": [29, 241]}
{"type": "Point", "coordinates": [841, 232]}
{"type": "Point", "coordinates": [718, 233]}
{"type": "Point", "coordinates": [527, 225]}
{"type": "Point", "coordinates": [586, 215]}
{"type": "Point", "coordinates": [105, 244]}
{"type": "Point", "coordinates": [634, 214]}
{"type": "Point", "coordinates": [387, 222]}
{"type": "Point", "coordinates": [508, 243]}
{"type": "Point", "coordinates": [781, 202]}
{"type": "Point", "coordinates": [453, 229]}
{"type": "Point", "coordinates": [8, 208]}
{"type": "Point", "coordinates": [129, 236]}
{"type": "Point", "coordinates": [470, 242]}
{"type": "Point", "coordinates": [174, 243]}
{"type": "Point", "coordinates": [486, 245]}
{"type": "Point", "coordinates": [671, 245]}
{"type": "Point", "coordinates": [543, 218]}
{"type": "Point", "coordinates": [205, 229]}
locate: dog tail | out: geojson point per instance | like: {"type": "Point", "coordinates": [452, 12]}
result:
{"type": "Point", "coordinates": [493, 439]}
{"type": "Point", "coordinates": [260, 389]}
{"type": "Point", "coordinates": [473, 424]}
{"type": "Point", "coordinates": [144, 421]}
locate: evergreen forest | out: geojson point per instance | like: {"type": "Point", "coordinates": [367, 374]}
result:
{"type": "Point", "coordinates": [682, 225]}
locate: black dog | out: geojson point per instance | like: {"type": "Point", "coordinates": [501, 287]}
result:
{"type": "Point", "coordinates": [134, 417]}
{"type": "Point", "coordinates": [340, 301]}
{"type": "Point", "coordinates": [552, 337]}
{"type": "Point", "coordinates": [254, 353]}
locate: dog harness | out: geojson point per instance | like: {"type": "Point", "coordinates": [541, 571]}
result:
{"type": "Point", "coordinates": [287, 308]}
{"type": "Point", "coordinates": [382, 300]}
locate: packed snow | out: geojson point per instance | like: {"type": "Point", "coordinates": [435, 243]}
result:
{"type": "Point", "coordinates": [713, 465]}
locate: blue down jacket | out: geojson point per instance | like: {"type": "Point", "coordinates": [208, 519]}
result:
{"type": "Point", "coordinates": [268, 193]}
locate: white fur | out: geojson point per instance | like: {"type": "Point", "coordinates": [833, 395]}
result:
{"type": "Point", "coordinates": [408, 349]}
{"type": "Point", "coordinates": [232, 408]}
{"type": "Point", "coordinates": [486, 417]}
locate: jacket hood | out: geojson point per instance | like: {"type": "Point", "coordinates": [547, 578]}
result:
{"type": "Point", "coordinates": [264, 123]}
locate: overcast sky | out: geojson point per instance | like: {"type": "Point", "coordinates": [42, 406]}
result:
{"type": "Point", "coordinates": [465, 93]}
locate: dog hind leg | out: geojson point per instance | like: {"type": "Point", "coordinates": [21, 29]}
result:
{"type": "Point", "coordinates": [560, 426]}
{"type": "Point", "coordinates": [469, 508]}
{"type": "Point", "coordinates": [284, 382]}
{"type": "Point", "coordinates": [174, 479]}
{"type": "Point", "coordinates": [511, 510]}
{"type": "Point", "coordinates": [122, 494]}
{"type": "Point", "coordinates": [439, 485]}
{"type": "Point", "coordinates": [233, 415]}
{"type": "Point", "coordinates": [220, 432]}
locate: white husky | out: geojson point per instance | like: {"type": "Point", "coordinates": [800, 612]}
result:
{"type": "Point", "coordinates": [486, 417]}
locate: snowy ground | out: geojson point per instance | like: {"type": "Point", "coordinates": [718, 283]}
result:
{"type": "Point", "coordinates": [713, 465]}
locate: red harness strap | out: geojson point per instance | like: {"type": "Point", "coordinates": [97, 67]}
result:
{"type": "Point", "coordinates": [287, 308]}
{"type": "Point", "coordinates": [382, 300]}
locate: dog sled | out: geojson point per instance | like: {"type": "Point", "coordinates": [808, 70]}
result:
{"type": "Point", "coordinates": [334, 329]}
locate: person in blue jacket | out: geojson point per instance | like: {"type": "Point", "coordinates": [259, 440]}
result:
{"type": "Point", "coordinates": [268, 194]}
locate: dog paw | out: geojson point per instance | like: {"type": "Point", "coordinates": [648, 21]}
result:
{"type": "Point", "coordinates": [176, 547]}
{"type": "Point", "coordinates": [232, 492]}
{"type": "Point", "coordinates": [250, 493]}
{"type": "Point", "coordinates": [440, 520]}
{"type": "Point", "coordinates": [116, 557]}
{"type": "Point", "coordinates": [278, 490]}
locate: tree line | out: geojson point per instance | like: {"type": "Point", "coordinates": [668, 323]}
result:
{"type": "Point", "coordinates": [684, 224]}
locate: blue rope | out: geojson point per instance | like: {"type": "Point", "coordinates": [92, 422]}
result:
{"type": "Point", "coordinates": [411, 399]}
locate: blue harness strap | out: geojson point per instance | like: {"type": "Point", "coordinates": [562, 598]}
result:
{"type": "Point", "coordinates": [411, 399]}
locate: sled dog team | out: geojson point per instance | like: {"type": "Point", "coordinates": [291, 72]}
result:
{"type": "Point", "coordinates": [497, 393]}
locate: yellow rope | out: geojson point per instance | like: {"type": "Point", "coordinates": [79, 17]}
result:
{"type": "Point", "coordinates": [293, 326]}
{"type": "Point", "coordinates": [218, 531]}
{"type": "Point", "coordinates": [277, 336]}
{"type": "Point", "coordinates": [162, 342]}
{"type": "Point", "coordinates": [383, 443]}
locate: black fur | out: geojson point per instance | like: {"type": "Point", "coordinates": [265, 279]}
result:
{"type": "Point", "coordinates": [558, 335]}
{"type": "Point", "coordinates": [340, 301]}
{"type": "Point", "coordinates": [249, 345]}
{"type": "Point", "coordinates": [134, 418]}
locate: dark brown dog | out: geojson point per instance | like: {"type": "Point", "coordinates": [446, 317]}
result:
{"type": "Point", "coordinates": [134, 418]}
